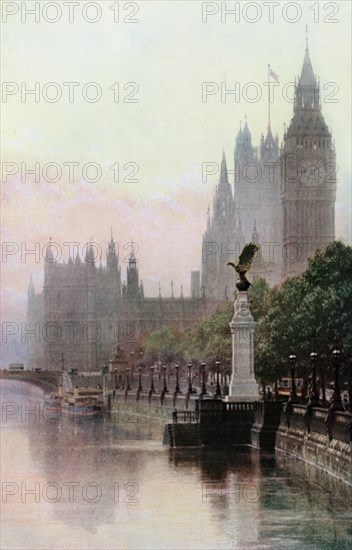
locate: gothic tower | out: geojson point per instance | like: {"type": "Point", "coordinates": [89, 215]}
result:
{"type": "Point", "coordinates": [308, 177]}
{"type": "Point", "coordinates": [112, 282]}
{"type": "Point", "coordinates": [219, 241]}
{"type": "Point", "coordinates": [132, 277]}
{"type": "Point", "coordinates": [246, 180]}
{"type": "Point", "coordinates": [257, 198]}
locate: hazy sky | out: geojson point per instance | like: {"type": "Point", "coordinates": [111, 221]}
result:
{"type": "Point", "coordinates": [168, 133]}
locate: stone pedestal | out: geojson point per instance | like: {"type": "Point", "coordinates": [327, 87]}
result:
{"type": "Point", "coordinates": [243, 386]}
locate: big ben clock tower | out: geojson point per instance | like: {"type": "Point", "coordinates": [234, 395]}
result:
{"type": "Point", "coordinates": [308, 174]}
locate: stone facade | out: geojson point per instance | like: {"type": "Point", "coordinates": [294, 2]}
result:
{"type": "Point", "coordinates": [84, 310]}
{"type": "Point", "coordinates": [282, 199]}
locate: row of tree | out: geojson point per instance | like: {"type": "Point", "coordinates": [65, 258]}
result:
{"type": "Point", "coordinates": [312, 312]}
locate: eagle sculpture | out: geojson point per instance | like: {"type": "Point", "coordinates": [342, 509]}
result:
{"type": "Point", "coordinates": [244, 264]}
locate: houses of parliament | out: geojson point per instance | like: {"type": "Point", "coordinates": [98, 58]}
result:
{"type": "Point", "coordinates": [282, 197]}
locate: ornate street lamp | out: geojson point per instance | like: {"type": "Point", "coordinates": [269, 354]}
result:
{"type": "Point", "coordinates": [140, 380]}
{"type": "Point", "coordinates": [190, 389]}
{"type": "Point", "coordinates": [152, 389]}
{"type": "Point", "coordinates": [104, 370]}
{"type": "Point", "coordinates": [218, 389]}
{"type": "Point", "coordinates": [293, 393]}
{"type": "Point", "coordinates": [132, 364]}
{"type": "Point", "coordinates": [203, 390]}
{"type": "Point", "coordinates": [165, 390]}
{"type": "Point", "coordinates": [322, 384]}
{"type": "Point", "coordinates": [177, 388]}
{"type": "Point", "coordinates": [128, 387]}
{"type": "Point", "coordinates": [313, 394]}
{"type": "Point", "coordinates": [336, 401]}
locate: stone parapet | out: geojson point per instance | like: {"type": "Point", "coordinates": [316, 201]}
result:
{"type": "Point", "coordinates": [319, 438]}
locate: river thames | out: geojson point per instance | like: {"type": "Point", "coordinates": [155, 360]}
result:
{"type": "Point", "coordinates": [105, 485]}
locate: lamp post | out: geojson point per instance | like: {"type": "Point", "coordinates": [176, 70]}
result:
{"type": "Point", "coordinates": [349, 382]}
{"type": "Point", "coordinates": [132, 364]}
{"type": "Point", "coordinates": [336, 401]}
{"type": "Point", "coordinates": [203, 390]}
{"type": "Point", "coordinates": [128, 387]}
{"type": "Point", "coordinates": [218, 389]}
{"type": "Point", "coordinates": [104, 370]}
{"type": "Point", "coordinates": [165, 390]}
{"type": "Point", "coordinates": [322, 385]}
{"type": "Point", "coordinates": [140, 380]}
{"type": "Point", "coordinates": [140, 360]}
{"type": "Point", "coordinates": [152, 389]}
{"type": "Point", "coordinates": [177, 388]}
{"type": "Point", "coordinates": [190, 389]}
{"type": "Point", "coordinates": [293, 393]}
{"type": "Point", "coordinates": [313, 394]}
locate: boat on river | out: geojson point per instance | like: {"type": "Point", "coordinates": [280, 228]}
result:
{"type": "Point", "coordinates": [83, 402]}
{"type": "Point", "coordinates": [52, 402]}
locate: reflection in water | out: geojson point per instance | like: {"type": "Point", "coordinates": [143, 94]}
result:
{"type": "Point", "coordinates": [98, 484]}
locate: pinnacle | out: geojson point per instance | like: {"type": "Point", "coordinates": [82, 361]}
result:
{"type": "Point", "coordinates": [307, 77]}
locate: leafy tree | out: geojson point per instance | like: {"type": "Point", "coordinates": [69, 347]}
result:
{"type": "Point", "coordinates": [308, 313]}
{"type": "Point", "coordinates": [209, 339]}
{"type": "Point", "coordinates": [162, 344]}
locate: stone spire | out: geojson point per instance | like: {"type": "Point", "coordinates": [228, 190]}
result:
{"type": "Point", "coordinates": [111, 257]}
{"type": "Point", "coordinates": [307, 89]}
{"type": "Point", "coordinates": [269, 147]}
{"type": "Point", "coordinates": [49, 256]}
{"type": "Point", "coordinates": [243, 150]}
{"type": "Point", "coordinates": [31, 289]}
{"type": "Point", "coordinates": [90, 256]}
{"type": "Point", "coordinates": [223, 199]}
{"type": "Point", "coordinates": [255, 236]}
{"type": "Point", "coordinates": [132, 275]}
{"type": "Point", "coordinates": [307, 77]}
{"type": "Point", "coordinates": [224, 180]}
{"type": "Point", "coordinates": [78, 259]}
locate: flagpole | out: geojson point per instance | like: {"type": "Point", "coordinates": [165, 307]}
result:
{"type": "Point", "coordinates": [269, 124]}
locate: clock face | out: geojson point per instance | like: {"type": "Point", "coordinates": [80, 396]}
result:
{"type": "Point", "coordinates": [312, 172]}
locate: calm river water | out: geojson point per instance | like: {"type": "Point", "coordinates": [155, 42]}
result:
{"type": "Point", "coordinates": [98, 485]}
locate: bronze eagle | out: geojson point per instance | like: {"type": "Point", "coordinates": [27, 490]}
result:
{"type": "Point", "coordinates": [244, 264]}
